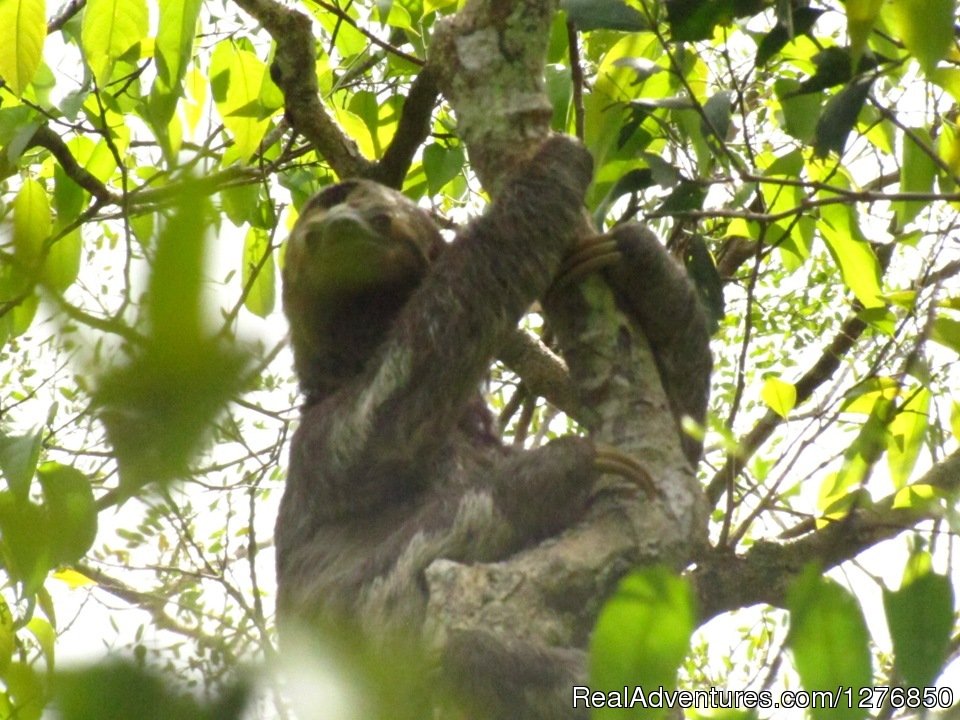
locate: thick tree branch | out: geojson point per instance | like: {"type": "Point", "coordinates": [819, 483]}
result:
{"type": "Point", "coordinates": [46, 138]}
{"type": "Point", "coordinates": [542, 371]}
{"type": "Point", "coordinates": [490, 57]}
{"type": "Point", "coordinates": [294, 71]}
{"type": "Point", "coordinates": [412, 130]}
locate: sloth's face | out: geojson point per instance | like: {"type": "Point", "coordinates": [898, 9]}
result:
{"type": "Point", "coordinates": [357, 237]}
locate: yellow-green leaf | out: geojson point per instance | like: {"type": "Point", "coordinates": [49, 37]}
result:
{"type": "Point", "coordinates": [96, 158]}
{"type": "Point", "coordinates": [397, 17]}
{"type": "Point", "coordinates": [854, 256]}
{"type": "Point", "coordinates": [73, 579]}
{"type": "Point", "coordinates": [110, 29]}
{"type": "Point", "coordinates": [430, 5]}
{"type": "Point", "coordinates": [926, 28]}
{"type": "Point", "coordinates": [259, 273]}
{"type": "Point", "coordinates": [178, 25]}
{"type": "Point", "coordinates": [641, 637]}
{"type": "Point", "coordinates": [236, 77]}
{"type": "Point", "coordinates": [18, 321]}
{"type": "Point", "coordinates": [917, 171]}
{"type": "Point", "coordinates": [780, 396]}
{"type": "Point", "coordinates": [861, 15]}
{"type": "Point", "coordinates": [24, 29]}
{"type": "Point", "coordinates": [949, 146]}
{"type": "Point", "coordinates": [195, 92]}
{"type": "Point", "coordinates": [7, 635]}
{"type": "Point", "coordinates": [864, 397]}
{"type": "Point", "coordinates": [31, 223]}
{"type": "Point", "coordinates": [62, 264]}
{"type": "Point", "coordinates": [349, 41]}
{"type": "Point", "coordinates": [907, 431]}
{"type": "Point", "coordinates": [46, 637]}
{"type": "Point", "coordinates": [27, 691]}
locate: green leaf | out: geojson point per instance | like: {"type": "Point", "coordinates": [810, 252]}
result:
{"type": "Point", "coordinates": [780, 396]}
{"type": "Point", "coordinates": [24, 24]}
{"type": "Point", "coordinates": [441, 164]}
{"type": "Point", "coordinates": [46, 637]}
{"type": "Point", "coordinates": [236, 77]}
{"type": "Point", "coordinates": [348, 40]}
{"type": "Point", "coordinates": [800, 111]}
{"type": "Point", "coordinates": [642, 635]}
{"type": "Point", "coordinates": [857, 262]}
{"type": "Point", "coordinates": [119, 689]}
{"type": "Point", "coordinates": [110, 29]}
{"type": "Point", "coordinates": [18, 461]}
{"type": "Point", "coordinates": [926, 28]}
{"type": "Point", "coordinates": [159, 409]}
{"type": "Point", "coordinates": [31, 223]}
{"type": "Point", "coordinates": [62, 264]}
{"type": "Point", "coordinates": [559, 91]}
{"type": "Point", "coordinates": [716, 113]}
{"type": "Point", "coordinates": [28, 691]}
{"type": "Point", "coordinates": [861, 455]}
{"type": "Point", "coordinates": [834, 67]}
{"type": "Point", "coordinates": [604, 14]}
{"type": "Point", "coordinates": [863, 397]}
{"type": "Point", "coordinates": [920, 618]}
{"type": "Point", "coordinates": [68, 197]}
{"type": "Point", "coordinates": [431, 5]}
{"type": "Point", "coordinates": [802, 19]}
{"type": "Point", "coordinates": [829, 640]}
{"type": "Point", "coordinates": [174, 47]}
{"type": "Point", "coordinates": [906, 435]}
{"type": "Point", "coordinates": [15, 123]}
{"type": "Point", "coordinates": [17, 322]}
{"type": "Point", "coordinates": [861, 16]}
{"type": "Point", "coordinates": [696, 19]}
{"type": "Point", "coordinates": [946, 331]}
{"type": "Point", "coordinates": [95, 157]}
{"type": "Point", "coordinates": [688, 195]}
{"type": "Point", "coordinates": [24, 535]}
{"type": "Point", "coordinates": [7, 636]}
{"type": "Point", "coordinates": [917, 172]}
{"type": "Point", "coordinates": [259, 274]}
{"type": "Point", "coordinates": [366, 106]}
{"type": "Point", "coordinates": [239, 202]}
{"type": "Point", "coordinates": [840, 115]}
{"type": "Point", "coordinates": [71, 509]}
{"type": "Point", "coordinates": [176, 283]}
{"type": "Point", "coordinates": [633, 181]}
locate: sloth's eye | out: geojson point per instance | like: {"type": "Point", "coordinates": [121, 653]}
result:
{"type": "Point", "coordinates": [381, 223]}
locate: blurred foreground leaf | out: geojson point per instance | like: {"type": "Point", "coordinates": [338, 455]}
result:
{"type": "Point", "coordinates": [120, 691]}
{"type": "Point", "coordinates": [641, 637]}
{"type": "Point", "coordinates": [828, 638]}
{"type": "Point", "coordinates": [159, 408]}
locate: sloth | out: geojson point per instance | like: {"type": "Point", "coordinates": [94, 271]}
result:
{"type": "Point", "coordinates": [395, 462]}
